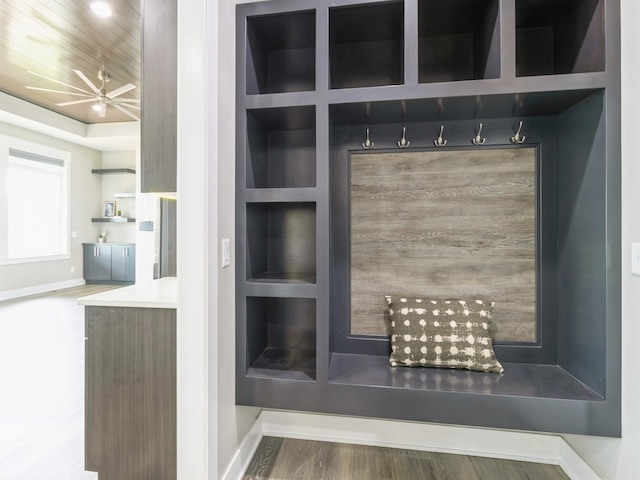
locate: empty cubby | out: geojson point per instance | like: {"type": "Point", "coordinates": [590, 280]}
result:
{"type": "Point", "coordinates": [559, 36]}
{"type": "Point", "coordinates": [281, 337]}
{"type": "Point", "coordinates": [458, 40]}
{"type": "Point", "coordinates": [366, 45]}
{"type": "Point", "coordinates": [281, 53]}
{"type": "Point", "coordinates": [281, 242]}
{"type": "Point", "coordinates": [281, 148]}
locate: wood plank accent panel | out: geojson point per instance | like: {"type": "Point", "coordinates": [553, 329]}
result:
{"type": "Point", "coordinates": [445, 223]}
{"type": "Point", "coordinates": [130, 391]}
{"type": "Point", "coordinates": [53, 38]}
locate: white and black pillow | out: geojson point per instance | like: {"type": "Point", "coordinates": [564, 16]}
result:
{"type": "Point", "coordinates": [442, 333]}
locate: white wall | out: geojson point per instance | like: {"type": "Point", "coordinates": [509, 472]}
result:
{"type": "Point", "coordinates": [610, 458]}
{"type": "Point", "coordinates": [231, 419]}
{"type": "Point", "coordinates": [85, 194]}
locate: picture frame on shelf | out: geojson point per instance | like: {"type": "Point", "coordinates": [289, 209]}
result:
{"type": "Point", "coordinates": [109, 210]}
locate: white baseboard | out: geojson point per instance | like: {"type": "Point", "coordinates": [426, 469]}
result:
{"type": "Point", "coordinates": [245, 452]}
{"type": "Point", "coordinates": [36, 289]}
{"type": "Point", "coordinates": [503, 444]}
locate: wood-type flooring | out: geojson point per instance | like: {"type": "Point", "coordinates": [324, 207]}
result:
{"type": "Point", "coordinates": [294, 459]}
{"type": "Point", "coordinates": [42, 392]}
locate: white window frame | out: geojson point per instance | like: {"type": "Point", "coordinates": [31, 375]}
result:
{"type": "Point", "coordinates": [6, 145]}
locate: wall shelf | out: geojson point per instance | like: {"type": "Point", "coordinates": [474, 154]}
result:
{"type": "Point", "coordinates": [112, 171]}
{"type": "Point", "coordinates": [420, 64]}
{"type": "Point", "coordinates": [113, 220]}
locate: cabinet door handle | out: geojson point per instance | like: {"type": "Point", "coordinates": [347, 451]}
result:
{"type": "Point", "coordinates": [124, 252]}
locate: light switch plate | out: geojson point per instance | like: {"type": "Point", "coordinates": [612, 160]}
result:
{"type": "Point", "coordinates": [635, 258]}
{"type": "Point", "coordinates": [226, 253]}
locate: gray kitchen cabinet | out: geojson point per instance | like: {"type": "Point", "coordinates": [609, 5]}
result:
{"type": "Point", "coordinates": [158, 124]}
{"type": "Point", "coordinates": [130, 393]}
{"type": "Point", "coordinates": [97, 262]}
{"type": "Point", "coordinates": [109, 263]}
{"type": "Point", "coordinates": [123, 263]}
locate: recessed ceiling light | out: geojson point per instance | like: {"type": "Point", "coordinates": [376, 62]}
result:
{"type": "Point", "coordinates": [102, 9]}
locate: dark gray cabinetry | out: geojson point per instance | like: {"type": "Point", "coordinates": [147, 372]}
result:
{"type": "Point", "coordinates": [313, 76]}
{"type": "Point", "coordinates": [96, 262]}
{"type": "Point", "coordinates": [123, 263]}
{"type": "Point", "coordinates": [109, 263]}
{"type": "Point", "coordinates": [158, 140]}
{"type": "Point", "coordinates": [130, 384]}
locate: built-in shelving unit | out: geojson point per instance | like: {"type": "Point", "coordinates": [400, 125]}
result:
{"type": "Point", "coordinates": [121, 195]}
{"type": "Point", "coordinates": [314, 77]}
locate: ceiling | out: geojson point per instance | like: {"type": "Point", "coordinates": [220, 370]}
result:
{"type": "Point", "coordinates": [55, 37]}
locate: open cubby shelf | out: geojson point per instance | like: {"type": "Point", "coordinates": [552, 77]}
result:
{"type": "Point", "coordinates": [559, 36]}
{"type": "Point", "coordinates": [366, 45]}
{"type": "Point", "coordinates": [281, 53]}
{"type": "Point", "coordinates": [281, 342]}
{"type": "Point", "coordinates": [318, 74]}
{"type": "Point", "coordinates": [281, 147]}
{"type": "Point", "coordinates": [281, 242]}
{"type": "Point", "coordinates": [458, 40]}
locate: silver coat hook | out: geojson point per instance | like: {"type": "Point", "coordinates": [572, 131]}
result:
{"type": "Point", "coordinates": [440, 142]}
{"type": "Point", "coordinates": [478, 140]}
{"type": "Point", "coordinates": [368, 144]}
{"type": "Point", "coordinates": [517, 138]}
{"type": "Point", "coordinates": [403, 142]}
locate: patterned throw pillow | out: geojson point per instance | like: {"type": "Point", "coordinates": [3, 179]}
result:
{"type": "Point", "coordinates": [441, 333]}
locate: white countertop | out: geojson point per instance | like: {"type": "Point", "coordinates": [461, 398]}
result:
{"type": "Point", "coordinates": [160, 293]}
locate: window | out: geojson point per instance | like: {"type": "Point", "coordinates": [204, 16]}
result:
{"type": "Point", "coordinates": [34, 202]}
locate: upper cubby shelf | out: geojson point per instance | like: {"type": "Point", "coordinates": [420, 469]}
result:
{"type": "Point", "coordinates": [366, 45]}
{"type": "Point", "coordinates": [458, 40]}
{"type": "Point", "coordinates": [281, 53]}
{"type": "Point", "coordinates": [559, 36]}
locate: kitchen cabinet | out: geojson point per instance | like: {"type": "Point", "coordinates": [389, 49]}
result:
{"type": "Point", "coordinates": [158, 126]}
{"type": "Point", "coordinates": [130, 392]}
{"type": "Point", "coordinates": [109, 263]}
{"type": "Point", "coordinates": [123, 263]}
{"type": "Point", "coordinates": [97, 262]}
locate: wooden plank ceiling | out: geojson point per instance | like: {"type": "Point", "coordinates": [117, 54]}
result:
{"type": "Point", "coordinates": [55, 37]}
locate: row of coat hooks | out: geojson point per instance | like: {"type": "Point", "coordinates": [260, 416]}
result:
{"type": "Point", "coordinates": [440, 141]}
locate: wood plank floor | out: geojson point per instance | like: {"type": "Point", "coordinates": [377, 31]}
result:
{"type": "Point", "coordinates": [292, 459]}
{"type": "Point", "coordinates": [42, 386]}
